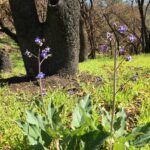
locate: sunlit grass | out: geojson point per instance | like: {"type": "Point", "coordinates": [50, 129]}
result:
{"type": "Point", "coordinates": [17, 66]}
{"type": "Point", "coordinates": [140, 65]}
{"type": "Point", "coordinates": [13, 104]}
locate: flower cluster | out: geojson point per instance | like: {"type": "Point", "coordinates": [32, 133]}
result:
{"type": "Point", "coordinates": [104, 48]}
{"type": "Point", "coordinates": [41, 75]}
{"type": "Point", "coordinates": [42, 55]}
{"type": "Point", "coordinates": [109, 36]}
{"type": "Point", "coordinates": [28, 53]}
{"type": "Point", "coordinates": [128, 58]}
{"type": "Point", "coordinates": [121, 50]}
{"type": "Point", "coordinates": [123, 29]}
{"type": "Point", "coordinates": [45, 53]}
{"type": "Point", "coordinates": [39, 41]}
{"type": "Point", "coordinates": [132, 38]}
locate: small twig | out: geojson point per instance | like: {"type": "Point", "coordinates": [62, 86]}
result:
{"type": "Point", "coordinates": [44, 59]}
{"type": "Point", "coordinates": [119, 64]}
{"type": "Point", "coordinates": [123, 85]}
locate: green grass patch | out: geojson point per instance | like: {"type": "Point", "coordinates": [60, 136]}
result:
{"type": "Point", "coordinates": [13, 105]}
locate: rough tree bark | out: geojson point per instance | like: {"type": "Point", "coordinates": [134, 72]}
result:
{"type": "Point", "coordinates": [61, 31]}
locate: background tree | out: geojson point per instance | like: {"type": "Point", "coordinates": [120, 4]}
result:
{"type": "Point", "coordinates": [145, 32]}
{"type": "Point", "coordinates": [88, 15]}
{"type": "Point", "coordinates": [108, 12]}
{"type": "Point", "coordinates": [60, 29]}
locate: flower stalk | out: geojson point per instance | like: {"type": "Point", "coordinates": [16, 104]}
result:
{"type": "Point", "coordinates": [114, 89]}
{"type": "Point", "coordinates": [41, 56]}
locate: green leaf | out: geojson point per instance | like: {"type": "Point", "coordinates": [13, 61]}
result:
{"type": "Point", "coordinates": [34, 132]}
{"type": "Point", "coordinates": [120, 123]}
{"type": "Point", "coordinates": [119, 146]}
{"type": "Point", "coordinates": [51, 111]}
{"type": "Point", "coordinates": [86, 103]}
{"type": "Point", "coordinates": [143, 136]}
{"type": "Point", "coordinates": [79, 131]}
{"type": "Point", "coordinates": [106, 119]}
{"type": "Point", "coordinates": [39, 147]}
{"type": "Point", "coordinates": [74, 144]}
{"type": "Point", "coordinates": [46, 138]}
{"type": "Point", "coordinates": [87, 119]}
{"type": "Point", "coordinates": [76, 117]}
{"type": "Point", "coordinates": [24, 126]}
{"type": "Point", "coordinates": [56, 117]}
{"type": "Point", "coordinates": [31, 117]}
{"type": "Point", "coordinates": [94, 139]}
{"type": "Point", "coordinates": [35, 119]}
{"type": "Point", "coordinates": [81, 112]}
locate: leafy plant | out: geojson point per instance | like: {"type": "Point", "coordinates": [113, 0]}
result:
{"type": "Point", "coordinates": [138, 137]}
{"type": "Point", "coordinates": [43, 130]}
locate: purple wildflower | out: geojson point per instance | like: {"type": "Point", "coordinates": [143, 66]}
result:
{"type": "Point", "coordinates": [28, 53]}
{"type": "Point", "coordinates": [38, 41]}
{"type": "Point", "coordinates": [123, 29]}
{"type": "Point", "coordinates": [121, 50]}
{"type": "Point", "coordinates": [41, 75]}
{"type": "Point", "coordinates": [109, 36]}
{"type": "Point", "coordinates": [128, 58]}
{"type": "Point", "coordinates": [132, 38]}
{"type": "Point", "coordinates": [104, 48]}
{"type": "Point", "coordinates": [47, 49]}
{"type": "Point", "coordinates": [44, 54]}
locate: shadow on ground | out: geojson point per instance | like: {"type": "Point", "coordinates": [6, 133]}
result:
{"type": "Point", "coordinates": [16, 79]}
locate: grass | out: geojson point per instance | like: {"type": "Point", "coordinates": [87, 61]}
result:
{"type": "Point", "coordinates": [13, 105]}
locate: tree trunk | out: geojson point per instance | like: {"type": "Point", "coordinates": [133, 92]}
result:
{"type": "Point", "coordinates": [5, 64]}
{"type": "Point", "coordinates": [83, 55]}
{"type": "Point", "coordinates": [62, 34]}
{"type": "Point", "coordinates": [61, 31]}
{"type": "Point", "coordinates": [144, 30]}
{"type": "Point", "coordinates": [27, 28]}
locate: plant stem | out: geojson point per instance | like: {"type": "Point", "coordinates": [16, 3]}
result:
{"type": "Point", "coordinates": [117, 67]}
{"type": "Point", "coordinates": [114, 92]}
{"type": "Point", "coordinates": [40, 80]}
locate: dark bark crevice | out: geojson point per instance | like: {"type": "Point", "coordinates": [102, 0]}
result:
{"type": "Point", "coordinates": [53, 2]}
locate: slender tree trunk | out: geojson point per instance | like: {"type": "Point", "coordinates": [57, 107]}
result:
{"type": "Point", "coordinates": [92, 55]}
{"type": "Point", "coordinates": [144, 30]}
{"type": "Point", "coordinates": [61, 31]}
{"type": "Point", "coordinates": [83, 55]}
